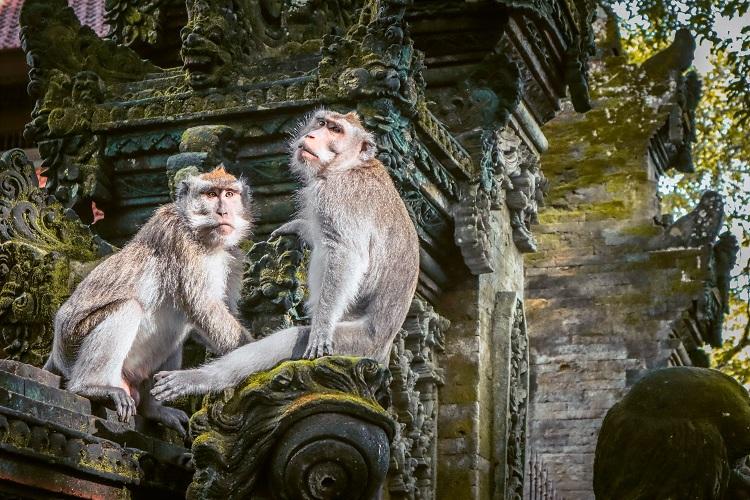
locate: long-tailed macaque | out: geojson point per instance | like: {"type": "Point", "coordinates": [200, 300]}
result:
{"type": "Point", "coordinates": [363, 267]}
{"type": "Point", "coordinates": [130, 316]}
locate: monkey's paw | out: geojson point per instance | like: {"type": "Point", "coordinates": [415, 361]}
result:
{"type": "Point", "coordinates": [170, 417]}
{"type": "Point", "coordinates": [320, 345]}
{"type": "Point", "coordinates": [172, 385]}
{"type": "Point", "coordinates": [124, 404]}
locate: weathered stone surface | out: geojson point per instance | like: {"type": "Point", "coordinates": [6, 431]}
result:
{"type": "Point", "coordinates": [263, 423]}
{"type": "Point", "coordinates": [44, 249]}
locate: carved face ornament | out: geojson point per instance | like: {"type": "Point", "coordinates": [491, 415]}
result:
{"type": "Point", "coordinates": [203, 51]}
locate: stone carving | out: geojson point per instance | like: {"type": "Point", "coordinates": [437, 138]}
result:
{"type": "Point", "coordinates": [374, 59]}
{"type": "Point", "coordinates": [673, 142]}
{"type": "Point", "coordinates": [41, 247]}
{"type": "Point", "coordinates": [50, 435]}
{"type": "Point", "coordinates": [676, 58]}
{"type": "Point", "coordinates": [70, 70]}
{"type": "Point", "coordinates": [511, 379]}
{"type": "Point", "coordinates": [319, 425]}
{"type": "Point", "coordinates": [272, 288]}
{"type": "Point", "coordinates": [517, 407]}
{"type": "Point", "coordinates": [416, 378]}
{"type": "Point", "coordinates": [724, 257]}
{"type": "Point", "coordinates": [137, 21]}
{"type": "Point", "coordinates": [697, 228]}
{"type": "Point", "coordinates": [668, 415]}
{"type": "Point", "coordinates": [481, 104]}
{"type": "Point", "coordinates": [525, 186]}
{"type": "Point", "coordinates": [223, 40]}
{"type": "Point", "coordinates": [471, 217]}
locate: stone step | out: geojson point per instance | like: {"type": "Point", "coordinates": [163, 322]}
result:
{"type": "Point", "coordinates": [595, 255]}
{"type": "Point", "coordinates": [602, 286]}
{"type": "Point", "coordinates": [646, 303]}
{"type": "Point", "coordinates": [665, 278]}
{"type": "Point", "coordinates": [44, 393]}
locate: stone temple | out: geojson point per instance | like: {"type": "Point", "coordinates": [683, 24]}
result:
{"type": "Point", "coordinates": [527, 148]}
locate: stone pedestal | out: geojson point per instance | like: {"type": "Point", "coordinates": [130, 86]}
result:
{"type": "Point", "coordinates": [304, 430]}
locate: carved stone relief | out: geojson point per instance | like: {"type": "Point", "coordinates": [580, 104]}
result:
{"type": "Point", "coordinates": [414, 390]}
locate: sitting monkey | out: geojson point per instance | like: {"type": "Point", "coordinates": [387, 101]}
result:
{"type": "Point", "coordinates": [130, 316]}
{"type": "Point", "coordinates": [363, 268]}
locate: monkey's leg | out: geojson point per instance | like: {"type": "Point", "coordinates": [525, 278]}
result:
{"type": "Point", "coordinates": [345, 266]}
{"type": "Point", "coordinates": [234, 367]}
{"type": "Point", "coordinates": [97, 372]}
{"type": "Point", "coordinates": [152, 409]}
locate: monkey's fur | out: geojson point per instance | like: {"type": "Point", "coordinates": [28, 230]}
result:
{"type": "Point", "coordinates": [130, 316]}
{"type": "Point", "coordinates": [363, 268]}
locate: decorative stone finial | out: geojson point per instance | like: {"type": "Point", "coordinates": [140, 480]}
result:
{"type": "Point", "coordinates": [680, 433]}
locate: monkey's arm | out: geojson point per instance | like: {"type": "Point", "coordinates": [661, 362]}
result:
{"type": "Point", "coordinates": [216, 325]}
{"type": "Point", "coordinates": [345, 265]}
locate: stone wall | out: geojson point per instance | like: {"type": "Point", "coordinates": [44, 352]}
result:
{"type": "Point", "coordinates": [601, 306]}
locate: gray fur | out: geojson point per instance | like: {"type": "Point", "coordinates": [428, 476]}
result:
{"type": "Point", "coordinates": [131, 315]}
{"type": "Point", "coordinates": [363, 268]}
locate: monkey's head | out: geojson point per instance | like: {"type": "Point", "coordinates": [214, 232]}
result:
{"type": "Point", "coordinates": [328, 141]}
{"type": "Point", "coordinates": [216, 206]}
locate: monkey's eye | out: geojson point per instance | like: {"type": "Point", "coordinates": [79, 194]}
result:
{"type": "Point", "coordinates": [321, 123]}
{"type": "Point", "coordinates": [229, 194]}
{"type": "Point", "coordinates": [211, 194]}
{"type": "Point", "coordinates": [336, 129]}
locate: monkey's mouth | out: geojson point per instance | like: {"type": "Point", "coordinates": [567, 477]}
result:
{"type": "Point", "coordinates": [305, 149]}
{"type": "Point", "coordinates": [222, 228]}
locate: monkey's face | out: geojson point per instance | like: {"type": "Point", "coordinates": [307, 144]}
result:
{"type": "Point", "coordinates": [331, 141]}
{"type": "Point", "coordinates": [217, 208]}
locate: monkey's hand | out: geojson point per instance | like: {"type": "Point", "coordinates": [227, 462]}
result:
{"type": "Point", "coordinates": [170, 417]}
{"type": "Point", "coordinates": [294, 226]}
{"type": "Point", "coordinates": [319, 345]}
{"type": "Point", "coordinates": [169, 386]}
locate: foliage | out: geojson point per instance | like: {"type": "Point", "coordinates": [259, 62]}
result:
{"type": "Point", "coordinates": [708, 20]}
{"type": "Point", "coordinates": [722, 151]}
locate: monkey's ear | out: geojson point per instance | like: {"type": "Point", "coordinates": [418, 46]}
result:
{"type": "Point", "coordinates": [369, 148]}
{"type": "Point", "coordinates": [182, 189]}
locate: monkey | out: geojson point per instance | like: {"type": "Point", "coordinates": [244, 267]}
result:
{"type": "Point", "coordinates": [130, 316]}
{"type": "Point", "coordinates": [363, 268]}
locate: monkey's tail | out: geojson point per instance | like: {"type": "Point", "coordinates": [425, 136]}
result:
{"type": "Point", "coordinates": [263, 354]}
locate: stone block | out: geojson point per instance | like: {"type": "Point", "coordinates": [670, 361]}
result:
{"type": "Point", "coordinates": [30, 372]}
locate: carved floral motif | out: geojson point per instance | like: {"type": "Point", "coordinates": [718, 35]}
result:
{"type": "Point", "coordinates": [41, 242]}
